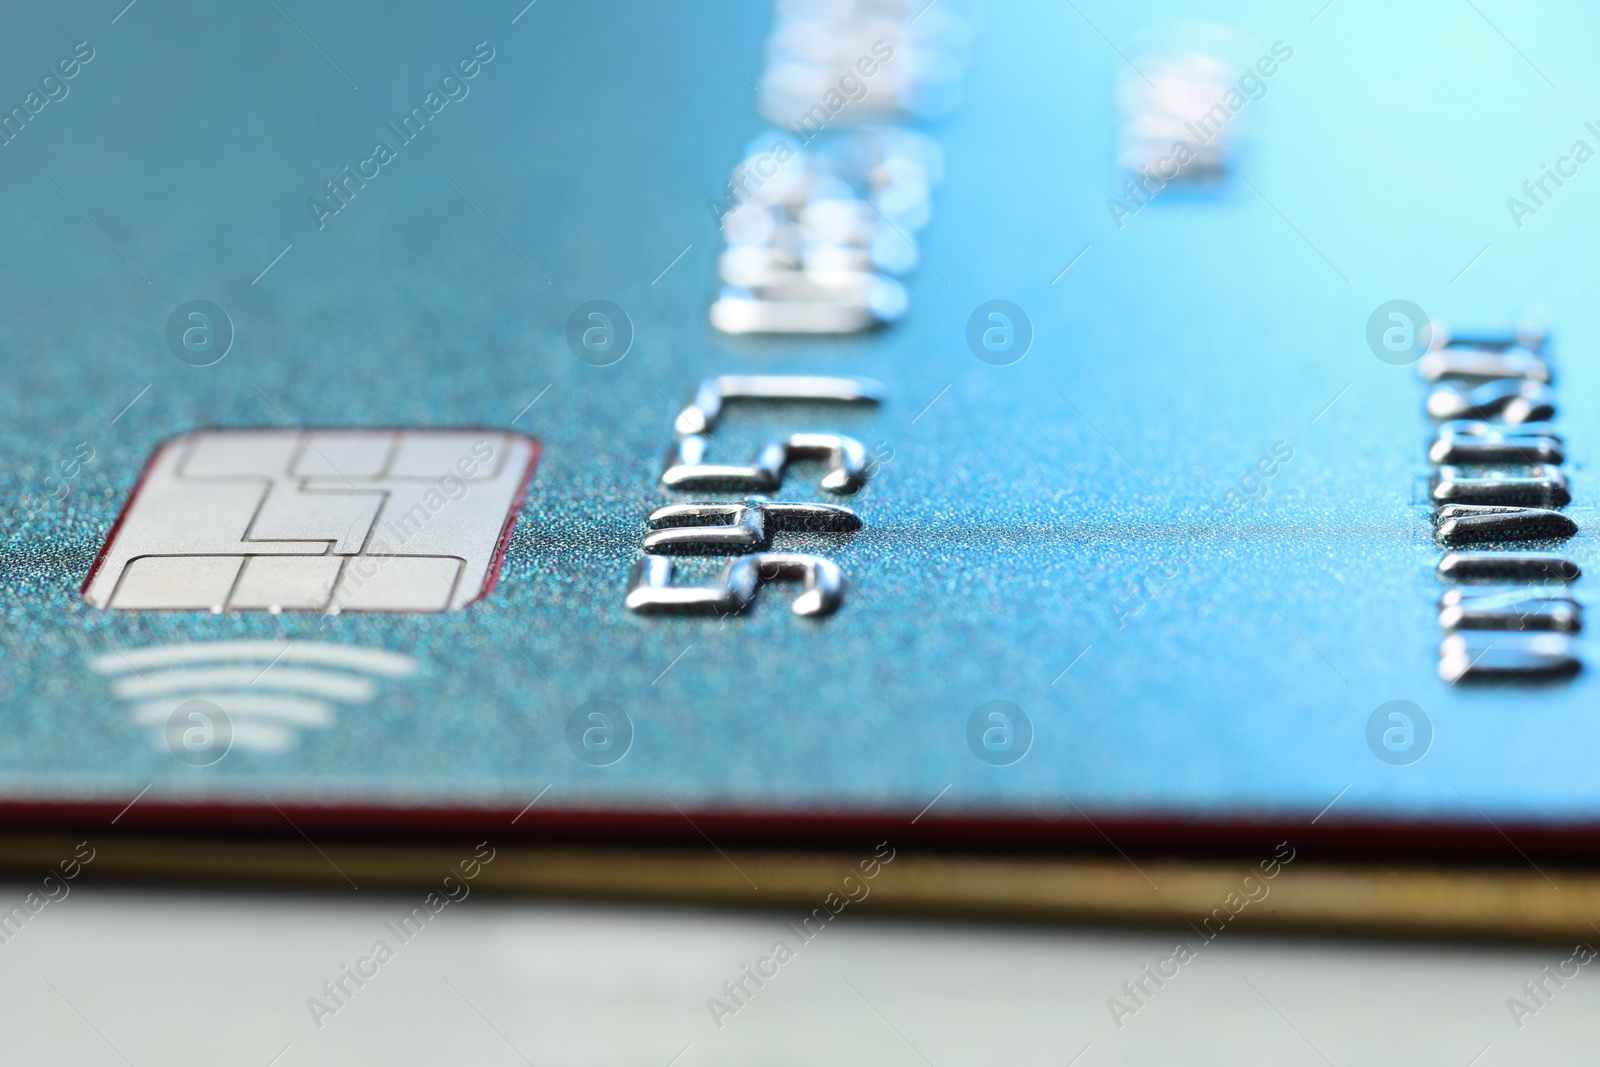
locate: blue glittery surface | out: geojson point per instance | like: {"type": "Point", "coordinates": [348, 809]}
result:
{"type": "Point", "coordinates": [1013, 514]}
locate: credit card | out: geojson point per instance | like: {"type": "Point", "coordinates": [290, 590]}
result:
{"type": "Point", "coordinates": [623, 422]}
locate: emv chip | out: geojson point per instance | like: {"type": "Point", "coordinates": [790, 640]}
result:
{"type": "Point", "coordinates": [326, 521]}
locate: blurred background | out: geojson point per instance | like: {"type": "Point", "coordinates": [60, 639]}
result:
{"type": "Point", "coordinates": [179, 976]}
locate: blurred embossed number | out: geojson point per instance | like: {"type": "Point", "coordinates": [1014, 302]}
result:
{"type": "Point", "coordinates": [999, 733]}
{"type": "Point", "coordinates": [199, 733]}
{"type": "Point", "coordinates": [599, 333]}
{"type": "Point", "coordinates": [999, 332]}
{"type": "Point", "coordinates": [599, 733]}
{"type": "Point", "coordinates": [1399, 733]}
{"type": "Point", "coordinates": [1399, 333]}
{"type": "Point", "coordinates": [199, 332]}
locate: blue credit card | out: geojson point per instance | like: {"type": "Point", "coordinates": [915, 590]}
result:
{"type": "Point", "coordinates": [1023, 423]}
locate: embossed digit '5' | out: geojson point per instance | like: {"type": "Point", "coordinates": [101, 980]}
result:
{"type": "Point", "coordinates": [652, 591]}
{"type": "Point", "coordinates": [736, 528]}
{"type": "Point", "coordinates": [845, 457]}
{"type": "Point", "coordinates": [707, 528]}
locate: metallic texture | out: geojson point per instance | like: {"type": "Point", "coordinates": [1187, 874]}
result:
{"type": "Point", "coordinates": [823, 582]}
{"type": "Point", "coordinates": [652, 590]}
{"type": "Point", "coordinates": [1513, 608]}
{"type": "Point", "coordinates": [1159, 98]}
{"type": "Point", "coordinates": [1479, 656]}
{"type": "Point", "coordinates": [701, 416]}
{"type": "Point", "coordinates": [1512, 401]}
{"type": "Point", "coordinates": [733, 528]}
{"type": "Point", "coordinates": [1471, 524]}
{"type": "Point", "coordinates": [1482, 364]}
{"type": "Point", "coordinates": [1465, 442]}
{"type": "Point", "coordinates": [326, 521]}
{"type": "Point", "coordinates": [1497, 486]}
{"type": "Point", "coordinates": [1529, 336]}
{"type": "Point", "coordinates": [1516, 353]}
{"type": "Point", "coordinates": [818, 236]}
{"type": "Point", "coordinates": [813, 45]}
{"type": "Point", "coordinates": [800, 308]}
{"type": "Point", "coordinates": [846, 459]}
{"type": "Point", "coordinates": [1536, 487]}
{"type": "Point", "coordinates": [1508, 566]}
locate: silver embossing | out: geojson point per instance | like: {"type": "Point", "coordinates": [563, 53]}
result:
{"type": "Point", "coordinates": [1472, 524]}
{"type": "Point", "coordinates": [1529, 335]}
{"type": "Point", "coordinates": [652, 591]}
{"type": "Point", "coordinates": [845, 457]}
{"type": "Point", "coordinates": [1512, 402]}
{"type": "Point", "coordinates": [1482, 364]}
{"type": "Point", "coordinates": [1532, 487]}
{"type": "Point", "coordinates": [1508, 567]}
{"type": "Point", "coordinates": [1509, 608]}
{"type": "Point", "coordinates": [734, 528]}
{"type": "Point", "coordinates": [714, 393]}
{"type": "Point", "coordinates": [1477, 656]}
{"type": "Point", "coordinates": [1465, 442]}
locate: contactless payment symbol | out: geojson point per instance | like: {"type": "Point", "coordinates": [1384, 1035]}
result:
{"type": "Point", "coordinates": [325, 521]}
{"type": "Point", "coordinates": [204, 699]}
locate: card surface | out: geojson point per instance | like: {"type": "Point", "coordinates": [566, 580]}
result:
{"type": "Point", "coordinates": [395, 441]}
